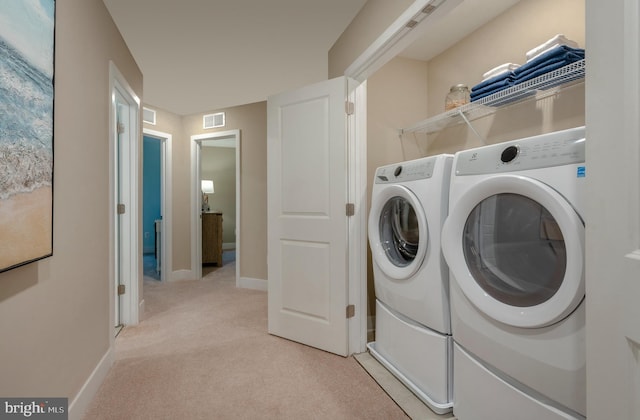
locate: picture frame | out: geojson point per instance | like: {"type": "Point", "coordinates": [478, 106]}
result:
{"type": "Point", "coordinates": [27, 38]}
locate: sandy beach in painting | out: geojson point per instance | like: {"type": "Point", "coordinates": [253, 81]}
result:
{"type": "Point", "coordinates": [25, 227]}
{"type": "Point", "coordinates": [26, 130]}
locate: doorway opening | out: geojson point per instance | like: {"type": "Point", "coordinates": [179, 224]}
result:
{"type": "Point", "coordinates": [156, 205]}
{"type": "Point", "coordinates": [217, 200]}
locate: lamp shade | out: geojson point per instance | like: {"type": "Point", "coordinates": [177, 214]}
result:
{"type": "Point", "coordinates": [207, 186]}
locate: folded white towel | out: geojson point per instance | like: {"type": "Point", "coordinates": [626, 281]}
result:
{"type": "Point", "coordinates": [557, 40]}
{"type": "Point", "coordinates": [502, 68]}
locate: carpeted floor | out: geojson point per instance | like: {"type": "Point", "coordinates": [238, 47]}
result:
{"type": "Point", "coordinates": [203, 352]}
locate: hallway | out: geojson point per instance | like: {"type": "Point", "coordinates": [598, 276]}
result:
{"type": "Point", "coordinates": [203, 352]}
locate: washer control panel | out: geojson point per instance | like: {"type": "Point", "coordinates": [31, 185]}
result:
{"type": "Point", "coordinates": [405, 171]}
{"type": "Point", "coordinates": [554, 149]}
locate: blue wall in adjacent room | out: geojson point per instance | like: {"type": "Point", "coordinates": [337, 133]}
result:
{"type": "Point", "coordinates": [151, 190]}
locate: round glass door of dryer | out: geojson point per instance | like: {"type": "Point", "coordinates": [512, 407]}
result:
{"type": "Point", "coordinates": [515, 247]}
{"type": "Point", "coordinates": [397, 232]}
{"type": "Point", "coordinates": [515, 250]}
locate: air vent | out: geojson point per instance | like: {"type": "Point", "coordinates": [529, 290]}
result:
{"type": "Point", "coordinates": [213, 120]}
{"type": "Point", "coordinates": [149, 116]}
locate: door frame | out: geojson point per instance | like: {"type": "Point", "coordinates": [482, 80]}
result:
{"type": "Point", "coordinates": [357, 224]}
{"type": "Point", "coordinates": [166, 244]}
{"type": "Point", "coordinates": [131, 259]}
{"type": "Point", "coordinates": [196, 194]}
{"type": "Point", "coordinates": [612, 260]}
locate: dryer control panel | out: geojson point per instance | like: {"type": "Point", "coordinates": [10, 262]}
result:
{"type": "Point", "coordinates": [554, 149]}
{"type": "Point", "coordinates": [405, 171]}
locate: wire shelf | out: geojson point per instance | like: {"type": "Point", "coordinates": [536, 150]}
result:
{"type": "Point", "coordinates": [538, 87]}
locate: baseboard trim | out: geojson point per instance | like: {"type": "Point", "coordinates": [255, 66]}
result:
{"type": "Point", "coordinates": [250, 283]}
{"type": "Point", "coordinates": [226, 246]}
{"type": "Point", "coordinates": [81, 402]}
{"type": "Point", "coordinates": [181, 275]}
{"type": "Point", "coordinates": [141, 310]}
{"type": "Point", "coordinates": [371, 328]}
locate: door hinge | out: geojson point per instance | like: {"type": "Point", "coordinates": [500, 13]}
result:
{"type": "Point", "coordinates": [121, 208]}
{"type": "Point", "coordinates": [349, 107]}
{"type": "Point", "coordinates": [351, 209]}
{"type": "Point", "coordinates": [121, 289]}
{"type": "Point", "coordinates": [120, 128]}
{"type": "Point", "coordinates": [351, 311]}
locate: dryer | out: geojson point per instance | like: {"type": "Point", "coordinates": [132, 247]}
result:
{"type": "Point", "coordinates": [514, 242]}
{"type": "Point", "coordinates": [413, 329]}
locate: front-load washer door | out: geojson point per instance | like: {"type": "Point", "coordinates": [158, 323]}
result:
{"type": "Point", "coordinates": [515, 247]}
{"type": "Point", "coordinates": [398, 232]}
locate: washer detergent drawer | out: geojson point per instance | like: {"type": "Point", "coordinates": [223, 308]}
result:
{"type": "Point", "coordinates": [419, 357]}
{"type": "Point", "coordinates": [481, 394]}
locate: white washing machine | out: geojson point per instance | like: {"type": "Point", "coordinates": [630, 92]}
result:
{"type": "Point", "coordinates": [413, 325]}
{"type": "Point", "coordinates": [514, 243]}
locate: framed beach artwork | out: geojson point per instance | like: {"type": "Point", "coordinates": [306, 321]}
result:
{"type": "Point", "coordinates": [26, 131]}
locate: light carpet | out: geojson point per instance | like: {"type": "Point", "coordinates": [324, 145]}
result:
{"type": "Point", "coordinates": [203, 352]}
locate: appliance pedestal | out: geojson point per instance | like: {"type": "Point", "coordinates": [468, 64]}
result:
{"type": "Point", "coordinates": [419, 357]}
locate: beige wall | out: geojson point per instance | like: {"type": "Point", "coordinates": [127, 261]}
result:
{"type": "Point", "coordinates": [167, 122]}
{"type": "Point", "coordinates": [251, 120]}
{"type": "Point", "coordinates": [374, 17]}
{"type": "Point", "coordinates": [219, 165]}
{"type": "Point", "coordinates": [54, 314]}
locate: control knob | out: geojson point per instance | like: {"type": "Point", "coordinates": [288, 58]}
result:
{"type": "Point", "coordinates": [509, 154]}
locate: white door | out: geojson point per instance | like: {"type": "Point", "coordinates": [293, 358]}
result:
{"type": "Point", "coordinates": [307, 222]}
{"type": "Point", "coordinates": [121, 222]}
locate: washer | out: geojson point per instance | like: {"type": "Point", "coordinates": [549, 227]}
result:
{"type": "Point", "coordinates": [514, 242]}
{"type": "Point", "coordinates": [413, 322]}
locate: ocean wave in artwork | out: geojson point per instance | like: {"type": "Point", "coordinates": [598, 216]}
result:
{"type": "Point", "coordinates": [24, 168]}
{"type": "Point", "coordinates": [26, 124]}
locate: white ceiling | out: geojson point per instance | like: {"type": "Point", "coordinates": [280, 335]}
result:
{"type": "Point", "coordinates": [441, 34]}
{"type": "Point", "coordinates": [202, 55]}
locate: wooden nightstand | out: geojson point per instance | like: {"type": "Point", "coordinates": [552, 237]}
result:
{"type": "Point", "coordinates": [212, 238]}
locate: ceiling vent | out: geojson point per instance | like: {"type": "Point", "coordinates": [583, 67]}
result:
{"type": "Point", "coordinates": [213, 120]}
{"type": "Point", "coordinates": [149, 116]}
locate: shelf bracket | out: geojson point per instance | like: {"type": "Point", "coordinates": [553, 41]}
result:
{"type": "Point", "coordinates": [464, 117]}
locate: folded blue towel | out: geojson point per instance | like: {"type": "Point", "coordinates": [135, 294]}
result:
{"type": "Point", "coordinates": [493, 87]}
{"type": "Point", "coordinates": [496, 79]}
{"type": "Point", "coordinates": [549, 61]}
{"type": "Point", "coordinates": [541, 70]}
{"type": "Point", "coordinates": [474, 98]}
{"type": "Point", "coordinates": [545, 63]}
